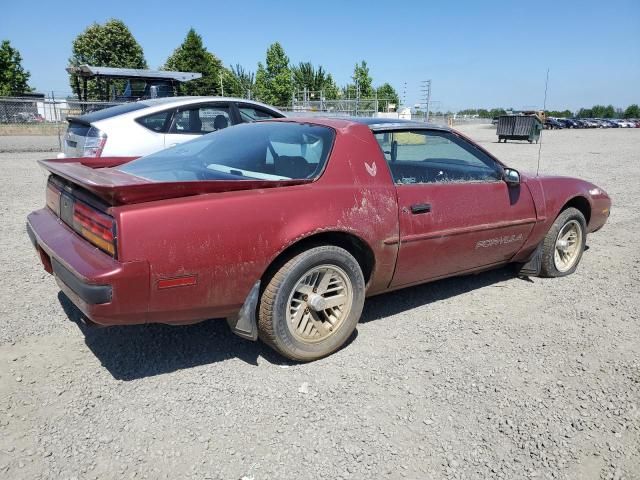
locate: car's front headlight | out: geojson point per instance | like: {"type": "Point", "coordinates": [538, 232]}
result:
{"type": "Point", "coordinates": [597, 192]}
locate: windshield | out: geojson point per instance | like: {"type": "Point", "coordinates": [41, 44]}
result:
{"type": "Point", "coordinates": [256, 151]}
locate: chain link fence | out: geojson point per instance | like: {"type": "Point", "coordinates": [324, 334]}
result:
{"type": "Point", "coordinates": [37, 115]}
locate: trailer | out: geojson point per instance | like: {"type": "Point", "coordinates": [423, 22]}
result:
{"type": "Point", "coordinates": [519, 127]}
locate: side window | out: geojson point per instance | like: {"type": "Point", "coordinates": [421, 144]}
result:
{"type": "Point", "coordinates": [158, 122]}
{"type": "Point", "coordinates": [201, 120]}
{"type": "Point", "coordinates": [430, 156]}
{"type": "Point", "coordinates": [252, 114]}
{"type": "Point", "coordinates": [297, 158]}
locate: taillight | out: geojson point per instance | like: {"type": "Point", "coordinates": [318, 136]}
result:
{"type": "Point", "coordinates": [53, 198]}
{"type": "Point", "coordinates": [94, 142]}
{"type": "Point", "coordinates": [95, 226]}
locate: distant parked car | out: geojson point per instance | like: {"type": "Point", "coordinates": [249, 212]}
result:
{"type": "Point", "coordinates": [553, 124]}
{"type": "Point", "coordinates": [610, 123]}
{"type": "Point", "coordinates": [27, 117]}
{"type": "Point", "coordinates": [626, 123]}
{"type": "Point", "coordinates": [144, 127]}
{"type": "Point", "coordinates": [569, 123]}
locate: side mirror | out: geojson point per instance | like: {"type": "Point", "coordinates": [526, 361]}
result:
{"type": "Point", "coordinates": [511, 177]}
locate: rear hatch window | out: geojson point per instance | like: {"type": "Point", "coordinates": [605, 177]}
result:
{"type": "Point", "coordinates": [109, 112]}
{"type": "Point", "coordinates": [249, 151]}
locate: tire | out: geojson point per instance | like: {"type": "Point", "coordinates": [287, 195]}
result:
{"type": "Point", "coordinates": [572, 227]}
{"type": "Point", "coordinates": [311, 279]}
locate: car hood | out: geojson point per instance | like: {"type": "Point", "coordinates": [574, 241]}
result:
{"type": "Point", "coordinates": [119, 188]}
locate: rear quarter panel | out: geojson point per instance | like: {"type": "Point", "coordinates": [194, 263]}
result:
{"type": "Point", "coordinates": [126, 137]}
{"type": "Point", "coordinates": [227, 240]}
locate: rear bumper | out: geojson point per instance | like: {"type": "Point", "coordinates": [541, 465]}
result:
{"type": "Point", "coordinates": [107, 291]}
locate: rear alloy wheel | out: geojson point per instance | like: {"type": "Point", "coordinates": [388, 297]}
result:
{"type": "Point", "coordinates": [564, 244]}
{"type": "Point", "coordinates": [312, 304]}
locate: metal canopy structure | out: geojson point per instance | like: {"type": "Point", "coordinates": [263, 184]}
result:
{"type": "Point", "coordinates": [90, 71]}
{"type": "Point", "coordinates": [162, 83]}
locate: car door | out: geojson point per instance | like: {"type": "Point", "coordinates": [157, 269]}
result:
{"type": "Point", "coordinates": [456, 213]}
{"type": "Point", "coordinates": [192, 121]}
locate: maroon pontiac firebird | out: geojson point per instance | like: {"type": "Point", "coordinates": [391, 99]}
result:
{"type": "Point", "coordinates": [284, 227]}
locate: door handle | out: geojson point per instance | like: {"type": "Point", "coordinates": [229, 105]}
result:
{"type": "Point", "coordinates": [418, 208]}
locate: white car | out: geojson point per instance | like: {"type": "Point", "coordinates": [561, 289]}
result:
{"type": "Point", "coordinates": [147, 126]}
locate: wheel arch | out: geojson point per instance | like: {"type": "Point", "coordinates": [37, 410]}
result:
{"type": "Point", "coordinates": [581, 204]}
{"type": "Point", "coordinates": [356, 246]}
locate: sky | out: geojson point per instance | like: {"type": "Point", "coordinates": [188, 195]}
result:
{"type": "Point", "coordinates": [478, 54]}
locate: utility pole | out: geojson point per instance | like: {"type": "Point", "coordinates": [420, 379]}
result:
{"type": "Point", "coordinates": [221, 85]}
{"type": "Point", "coordinates": [426, 92]}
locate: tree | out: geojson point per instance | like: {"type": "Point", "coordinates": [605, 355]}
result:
{"type": "Point", "coordinates": [362, 80]}
{"type": "Point", "coordinates": [273, 80]}
{"type": "Point", "coordinates": [632, 111]}
{"type": "Point", "coordinates": [242, 82]}
{"type": "Point", "coordinates": [387, 94]}
{"type": "Point", "coordinates": [108, 45]}
{"type": "Point", "coordinates": [560, 114]}
{"type": "Point", "coordinates": [598, 111]}
{"type": "Point", "coordinates": [496, 112]}
{"type": "Point", "coordinates": [14, 79]}
{"type": "Point", "coordinates": [192, 56]}
{"type": "Point", "coordinates": [584, 113]}
{"type": "Point", "coordinates": [316, 80]}
{"type": "Point", "coordinates": [331, 90]}
{"type": "Point", "coordinates": [305, 75]}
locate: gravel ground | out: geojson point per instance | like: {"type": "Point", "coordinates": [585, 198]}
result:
{"type": "Point", "coordinates": [485, 376]}
{"type": "Point", "coordinates": [29, 143]}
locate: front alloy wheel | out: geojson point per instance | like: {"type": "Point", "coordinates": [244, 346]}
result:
{"type": "Point", "coordinates": [568, 246]}
{"type": "Point", "coordinates": [564, 244]}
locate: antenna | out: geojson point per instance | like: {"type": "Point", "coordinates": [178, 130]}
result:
{"type": "Point", "coordinates": [544, 109]}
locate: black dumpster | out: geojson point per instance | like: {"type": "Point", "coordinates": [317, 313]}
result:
{"type": "Point", "coordinates": [519, 127]}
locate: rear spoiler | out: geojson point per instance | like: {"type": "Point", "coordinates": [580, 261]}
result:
{"type": "Point", "coordinates": [92, 162]}
{"type": "Point", "coordinates": [120, 188]}
{"type": "Point", "coordinates": [78, 120]}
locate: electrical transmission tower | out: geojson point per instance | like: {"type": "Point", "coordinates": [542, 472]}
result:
{"type": "Point", "coordinates": [404, 96]}
{"type": "Point", "coordinates": [426, 92]}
